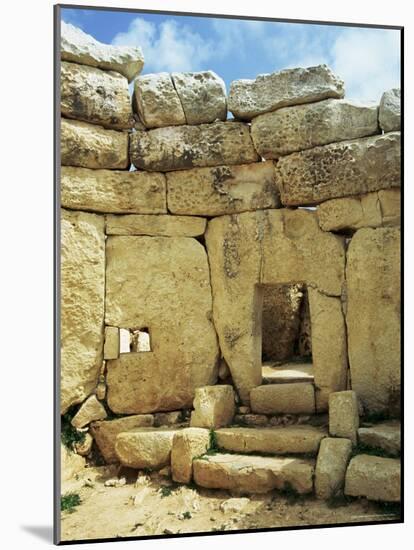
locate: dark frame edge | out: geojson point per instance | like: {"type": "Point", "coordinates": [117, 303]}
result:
{"type": "Point", "coordinates": [56, 278]}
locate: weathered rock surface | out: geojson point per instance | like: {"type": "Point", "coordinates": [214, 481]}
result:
{"type": "Point", "coordinates": [92, 146]}
{"type": "Point", "coordinates": [283, 398]}
{"type": "Point", "coordinates": [114, 191]}
{"type": "Point", "coordinates": [343, 415]}
{"type": "Point", "coordinates": [187, 445]}
{"type": "Point", "coordinates": [111, 345]}
{"type": "Point", "coordinates": [373, 316]}
{"type": "Point", "coordinates": [268, 92]}
{"type": "Point", "coordinates": [145, 447]}
{"type": "Point", "coordinates": [82, 48]}
{"type": "Point", "coordinates": [288, 372]}
{"type": "Point", "coordinates": [374, 477]}
{"type": "Point", "coordinates": [202, 95]}
{"type": "Point", "coordinates": [214, 407]}
{"type": "Point", "coordinates": [183, 147]}
{"type": "Point", "coordinates": [171, 418]}
{"type": "Point", "coordinates": [390, 110]}
{"type": "Point", "coordinates": [377, 209]}
{"type": "Point", "coordinates": [157, 102]}
{"type": "Point", "coordinates": [253, 474]}
{"type": "Point", "coordinates": [385, 436]}
{"type": "Point", "coordinates": [281, 320]}
{"type": "Point", "coordinates": [95, 96]}
{"type": "Point", "coordinates": [70, 463]}
{"type": "Point", "coordinates": [156, 226]}
{"type": "Point", "coordinates": [222, 189]}
{"type": "Point", "coordinates": [277, 440]}
{"type": "Point", "coordinates": [292, 129]}
{"type": "Point", "coordinates": [329, 350]}
{"type": "Point", "coordinates": [89, 411]}
{"type": "Point", "coordinates": [84, 447]}
{"type": "Point", "coordinates": [331, 465]}
{"type": "Point", "coordinates": [172, 298]}
{"type": "Point", "coordinates": [106, 432]}
{"type": "Point", "coordinates": [82, 304]}
{"type": "Point", "coordinates": [339, 169]}
{"type": "Point", "coordinates": [249, 250]}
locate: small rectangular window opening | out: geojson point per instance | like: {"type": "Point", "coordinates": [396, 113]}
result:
{"type": "Point", "coordinates": [134, 340]}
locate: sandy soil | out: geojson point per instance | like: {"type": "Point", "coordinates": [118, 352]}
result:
{"type": "Point", "coordinates": [142, 507]}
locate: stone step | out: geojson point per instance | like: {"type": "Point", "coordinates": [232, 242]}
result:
{"type": "Point", "coordinates": [374, 477]}
{"type": "Point", "coordinates": [276, 440]}
{"type": "Point", "coordinates": [287, 373]}
{"type": "Point", "coordinates": [293, 398]}
{"type": "Point", "coordinates": [384, 435]}
{"type": "Point", "coordinates": [253, 474]}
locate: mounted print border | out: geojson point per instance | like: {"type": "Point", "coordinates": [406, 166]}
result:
{"type": "Point", "coordinates": [228, 351]}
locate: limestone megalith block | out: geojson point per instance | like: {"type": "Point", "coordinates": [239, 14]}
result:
{"type": "Point", "coordinates": [390, 110]}
{"type": "Point", "coordinates": [268, 92]}
{"type": "Point", "coordinates": [95, 96]}
{"type": "Point", "coordinates": [82, 304]}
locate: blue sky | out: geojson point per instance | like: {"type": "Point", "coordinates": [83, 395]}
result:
{"type": "Point", "coordinates": [367, 59]}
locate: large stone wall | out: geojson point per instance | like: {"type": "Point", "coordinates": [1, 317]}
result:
{"type": "Point", "coordinates": [178, 221]}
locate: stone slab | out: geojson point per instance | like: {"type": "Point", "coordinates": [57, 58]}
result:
{"type": "Point", "coordinates": [184, 147]}
{"type": "Point", "coordinates": [343, 415]}
{"type": "Point", "coordinates": [187, 445]}
{"type": "Point", "coordinates": [374, 477]}
{"type": "Point", "coordinates": [340, 169]}
{"type": "Point", "coordinates": [145, 447]}
{"type": "Point", "coordinates": [390, 110]}
{"type": "Point", "coordinates": [283, 398]}
{"type": "Point", "coordinates": [268, 92]}
{"type": "Point", "coordinates": [384, 435]}
{"type": "Point", "coordinates": [90, 146]}
{"type": "Point", "coordinates": [113, 191]}
{"type": "Point", "coordinates": [156, 225]}
{"type": "Point", "coordinates": [331, 465]}
{"type": "Point", "coordinates": [222, 189]}
{"type": "Point", "coordinates": [293, 129]}
{"type": "Point", "coordinates": [95, 96]}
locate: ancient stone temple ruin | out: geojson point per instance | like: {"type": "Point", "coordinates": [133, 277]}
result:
{"type": "Point", "coordinates": [230, 276]}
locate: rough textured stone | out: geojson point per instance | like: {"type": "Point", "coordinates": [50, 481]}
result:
{"type": "Point", "coordinates": [82, 304]}
{"type": "Point", "coordinates": [113, 191]}
{"type": "Point", "coordinates": [157, 102]}
{"type": "Point", "coordinates": [82, 48]}
{"type": "Point", "coordinates": [373, 316]}
{"type": "Point", "coordinates": [385, 436]}
{"type": "Point", "coordinates": [183, 147]}
{"type": "Point", "coordinates": [222, 189]}
{"type": "Point", "coordinates": [187, 445]}
{"type": "Point", "coordinates": [281, 321]}
{"type": "Point", "coordinates": [157, 226]}
{"type": "Point", "coordinates": [70, 463]}
{"type": "Point", "coordinates": [91, 146]}
{"type": "Point", "coordinates": [374, 477]}
{"type": "Point", "coordinates": [331, 465]}
{"type": "Point", "coordinates": [390, 110]}
{"type": "Point", "coordinates": [89, 411]}
{"type": "Point", "coordinates": [84, 447]}
{"type": "Point", "coordinates": [278, 440]}
{"type": "Point", "coordinates": [214, 407]}
{"type": "Point", "coordinates": [145, 447]}
{"type": "Point", "coordinates": [380, 208]}
{"type": "Point", "coordinates": [268, 92]}
{"type": "Point", "coordinates": [343, 415]}
{"type": "Point", "coordinates": [111, 345]}
{"type": "Point", "coordinates": [106, 432]}
{"type": "Point", "coordinates": [302, 127]}
{"type": "Point", "coordinates": [95, 96]}
{"type": "Point", "coordinates": [253, 474]}
{"type": "Point", "coordinates": [329, 350]}
{"type": "Point", "coordinates": [283, 398]}
{"type": "Point", "coordinates": [202, 95]}
{"type": "Point", "coordinates": [249, 250]}
{"type": "Point", "coordinates": [339, 169]}
{"type": "Point", "coordinates": [168, 419]}
{"type": "Point", "coordinates": [247, 419]}
{"type": "Point", "coordinates": [172, 298]}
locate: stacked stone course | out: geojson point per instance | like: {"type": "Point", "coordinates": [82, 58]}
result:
{"type": "Point", "coordinates": [183, 224]}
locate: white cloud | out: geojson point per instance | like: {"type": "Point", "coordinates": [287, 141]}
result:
{"type": "Point", "coordinates": [368, 60]}
{"type": "Point", "coordinates": [167, 47]}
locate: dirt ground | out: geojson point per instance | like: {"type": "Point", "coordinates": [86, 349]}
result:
{"type": "Point", "coordinates": [153, 505]}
